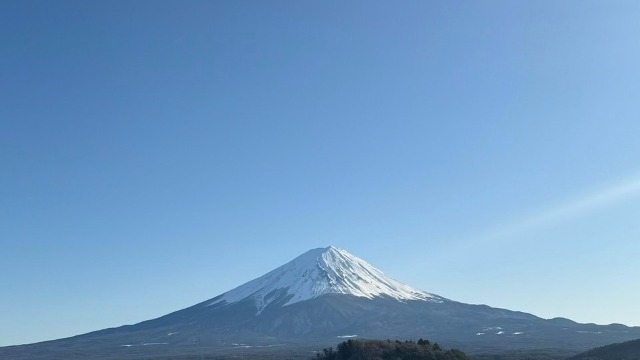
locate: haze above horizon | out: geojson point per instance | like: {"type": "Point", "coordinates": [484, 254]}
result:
{"type": "Point", "coordinates": [157, 154]}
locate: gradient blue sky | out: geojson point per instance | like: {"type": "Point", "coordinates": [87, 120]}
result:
{"type": "Point", "coordinates": [156, 154]}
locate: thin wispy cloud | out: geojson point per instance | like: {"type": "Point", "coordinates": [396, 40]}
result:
{"type": "Point", "coordinates": [588, 203]}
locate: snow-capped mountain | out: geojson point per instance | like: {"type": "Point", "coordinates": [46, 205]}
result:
{"type": "Point", "coordinates": [312, 302]}
{"type": "Point", "coordinates": [322, 271]}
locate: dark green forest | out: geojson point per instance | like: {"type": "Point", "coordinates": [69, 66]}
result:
{"type": "Point", "coordinates": [629, 350]}
{"type": "Point", "coordinates": [392, 350]}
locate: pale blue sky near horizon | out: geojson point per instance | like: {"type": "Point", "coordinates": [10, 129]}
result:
{"type": "Point", "coordinates": [155, 154]}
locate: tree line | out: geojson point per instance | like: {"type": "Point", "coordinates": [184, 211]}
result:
{"type": "Point", "coordinates": [390, 350]}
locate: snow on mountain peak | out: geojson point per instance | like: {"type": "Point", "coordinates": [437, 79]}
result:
{"type": "Point", "coordinates": [322, 271]}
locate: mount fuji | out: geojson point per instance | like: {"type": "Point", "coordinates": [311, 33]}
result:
{"type": "Point", "coordinates": [315, 300]}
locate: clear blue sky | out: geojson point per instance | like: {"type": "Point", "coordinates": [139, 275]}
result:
{"type": "Point", "coordinates": [156, 154]}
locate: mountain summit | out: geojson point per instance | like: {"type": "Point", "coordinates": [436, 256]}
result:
{"type": "Point", "coordinates": [310, 302]}
{"type": "Point", "coordinates": [322, 271]}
